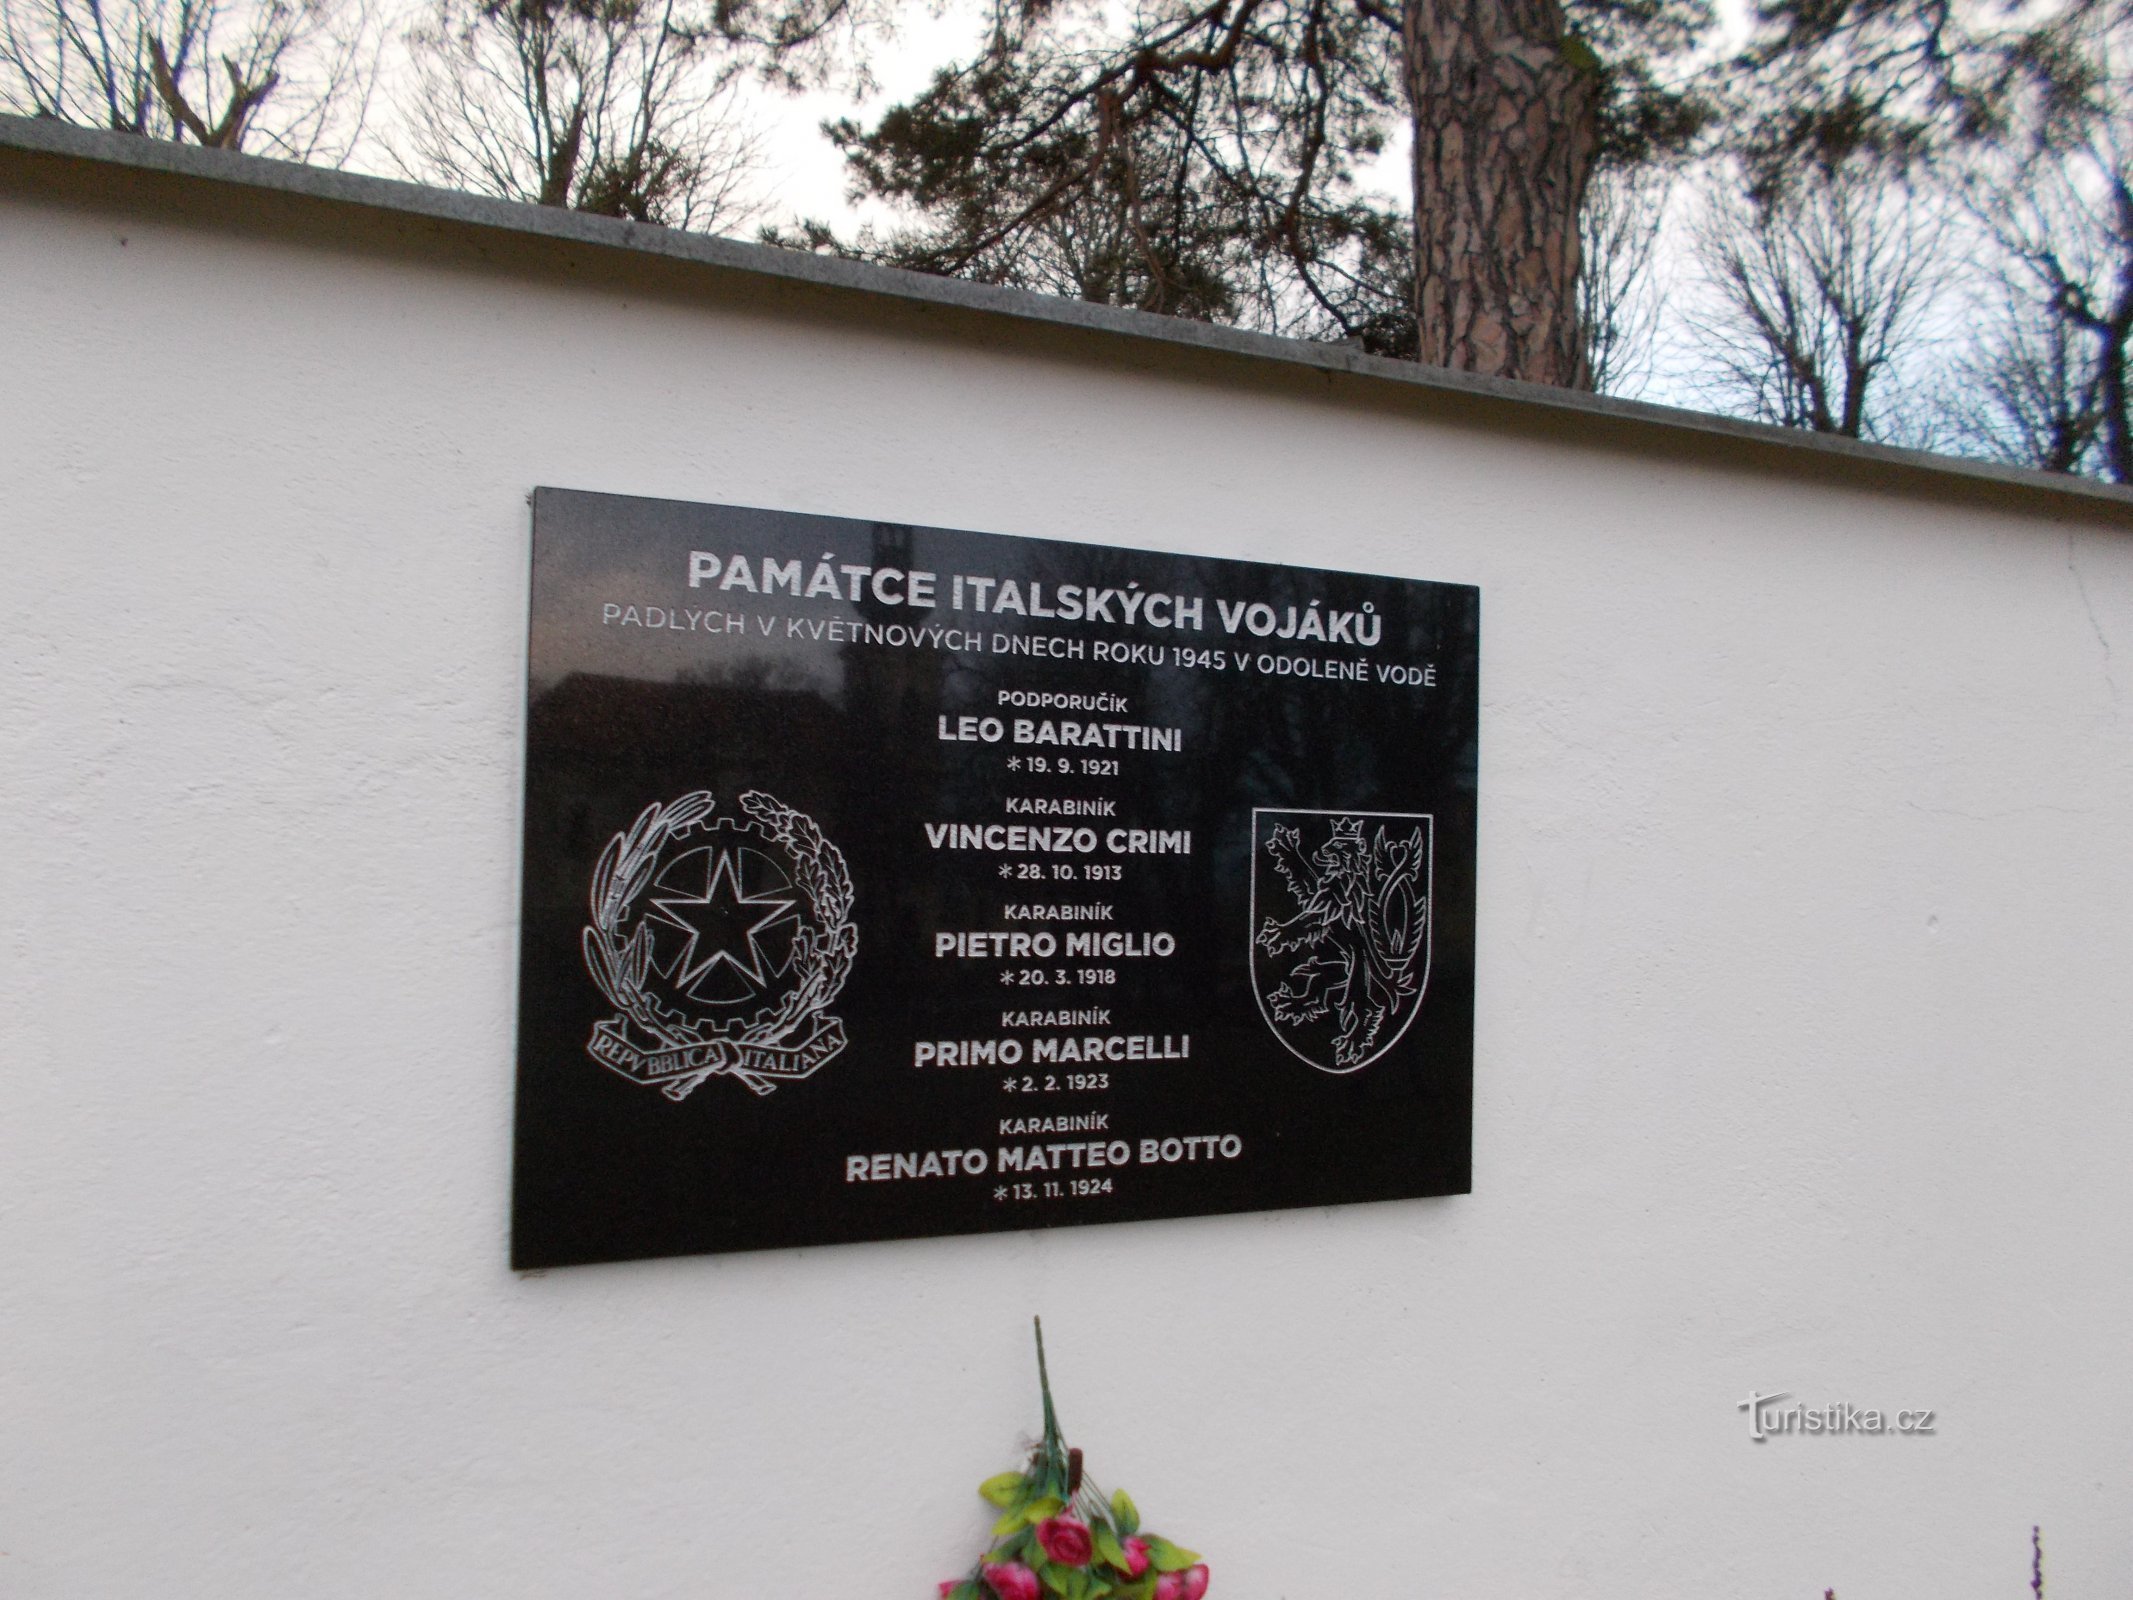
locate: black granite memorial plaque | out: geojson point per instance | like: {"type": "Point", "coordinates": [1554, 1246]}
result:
{"type": "Point", "coordinates": [885, 881]}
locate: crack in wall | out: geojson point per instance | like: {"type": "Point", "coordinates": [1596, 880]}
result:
{"type": "Point", "coordinates": [2087, 605]}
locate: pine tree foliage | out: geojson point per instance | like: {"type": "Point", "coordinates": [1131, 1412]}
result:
{"type": "Point", "coordinates": [1205, 166]}
{"type": "Point", "coordinates": [1205, 159]}
{"type": "Point", "coordinates": [1906, 80]}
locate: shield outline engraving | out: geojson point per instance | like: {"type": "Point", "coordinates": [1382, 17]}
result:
{"type": "Point", "coordinates": [1427, 821]}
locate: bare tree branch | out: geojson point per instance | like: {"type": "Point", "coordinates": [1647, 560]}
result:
{"type": "Point", "coordinates": [287, 77]}
{"type": "Point", "coordinates": [1618, 290]}
{"type": "Point", "coordinates": [1819, 294]}
{"type": "Point", "coordinates": [2053, 372]}
{"type": "Point", "coordinates": [621, 107]}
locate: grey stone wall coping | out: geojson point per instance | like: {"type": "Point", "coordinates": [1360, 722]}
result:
{"type": "Point", "coordinates": [44, 143]}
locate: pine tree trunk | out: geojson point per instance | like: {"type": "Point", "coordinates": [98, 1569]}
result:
{"type": "Point", "coordinates": [1505, 128]}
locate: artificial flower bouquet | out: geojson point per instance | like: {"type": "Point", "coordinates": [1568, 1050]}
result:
{"type": "Point", "coordinates": [1059, 1536]}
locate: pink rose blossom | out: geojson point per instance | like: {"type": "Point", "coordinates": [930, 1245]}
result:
{"type": "Point", "coordinates": [1136, 1557]}
{"type": "Point", "coordinates": [1066, 1541]}
{"type": "Point", "coordinates": [1011, 1580]}
{"type": "Point", "coordinates": [949, 1586]}
{"type": "Point", "coordinates": [1187, 1585]}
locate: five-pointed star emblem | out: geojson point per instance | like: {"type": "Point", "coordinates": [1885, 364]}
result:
{"type": "Point", "coordinates": [722, 923]}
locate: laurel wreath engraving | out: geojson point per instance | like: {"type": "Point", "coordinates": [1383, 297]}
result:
{"type": "Point", "coordinates": [822, 954]}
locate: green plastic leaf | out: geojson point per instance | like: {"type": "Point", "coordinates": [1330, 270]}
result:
{"type": "Point", "coordinates": [1109, 1547]}
{"type": "Point", "coordinates": [1004, 1490]}
{"type": "Point", "coordinates": [1167, 1557]}
{"type": "Point", "coordinates": [1027, 1516]}
{"type": "Point", "coordinates": [1127, 1513]}
{"type": "Point", "coordinates": [1021, 1546]}
{"type": "Point", "coordinates": [966, 1590]}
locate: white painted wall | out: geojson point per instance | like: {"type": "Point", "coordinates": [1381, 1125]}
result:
{"type": "Point", "coordinates": [1805, 1004]}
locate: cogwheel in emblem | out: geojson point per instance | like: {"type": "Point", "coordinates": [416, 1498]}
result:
{"type": "Point", "coordinates": [720, 939]}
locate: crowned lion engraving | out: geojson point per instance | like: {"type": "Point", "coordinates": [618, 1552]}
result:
{"type": "Point", "coordinates": [1362, 917]}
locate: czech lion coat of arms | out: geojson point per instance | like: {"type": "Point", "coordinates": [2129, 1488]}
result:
{"type": "Point", "coordinates": [1340, 917]}
{"type": "Point", "coordinates": [720, 939]}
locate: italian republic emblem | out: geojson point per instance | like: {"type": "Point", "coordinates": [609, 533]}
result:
{"type": "Point", "coordinates": [1340, 940]}
{"type": "Point", "coordinates": [720, 939]}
